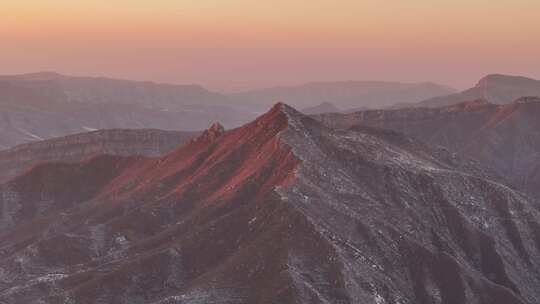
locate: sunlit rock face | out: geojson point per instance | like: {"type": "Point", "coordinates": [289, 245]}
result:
{"type": "Point", "coordinates": [281, 210]}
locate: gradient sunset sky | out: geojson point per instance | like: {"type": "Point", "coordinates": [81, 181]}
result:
{"type": "Point", "coordinates": [241, 44]}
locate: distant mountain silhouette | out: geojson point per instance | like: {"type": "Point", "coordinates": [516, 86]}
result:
{"type": "Point", "coordinates": [109, 90]}
{"type": "Point", "coordinates": [344, 95]}
{"type": "Point", "coordinates": [325, 107]}
{"type": "Point", "coordinates": [498, 89]}
{"type": "Point", "coordinates": [45, 105]}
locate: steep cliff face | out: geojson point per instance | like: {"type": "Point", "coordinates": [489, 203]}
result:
{"type": "Point", "coordinates": [282, 210]}
{"type": "Point", "coordinates": [75, 148]}
{"type": "Point", "coordinates": [505, 137]}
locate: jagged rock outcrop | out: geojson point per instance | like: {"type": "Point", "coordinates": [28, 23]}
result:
{"type": "Point", "coordinates": [281, 210]}
{"type": "Point", "coordinates": [215, 131]}
{"type": "Point", "coordinates": [75, 148]}
{"type": "Point", "coordinates": [505, 137]}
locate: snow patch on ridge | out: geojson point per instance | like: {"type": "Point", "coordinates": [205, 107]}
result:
{"type": "Point", "coordinates": [89, 129]}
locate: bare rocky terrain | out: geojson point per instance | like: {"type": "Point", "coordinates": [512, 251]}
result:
{"type": "Point", "coordinates": [282, 210]}
{"type": "Point", "coordinates": [504, 137]}
{"type": "Point", "coordinates": [78, 147]}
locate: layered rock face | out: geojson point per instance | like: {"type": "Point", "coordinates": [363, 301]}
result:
{"type": "Point", "coordinates": [281, 210]}
{"type": "Point", "coordinates": [75, 148]}
{"type": "Point", "coordinates": [504, 137]}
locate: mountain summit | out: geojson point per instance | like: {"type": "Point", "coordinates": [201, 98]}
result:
{"type": "Point", "coordinates": [281, 210]}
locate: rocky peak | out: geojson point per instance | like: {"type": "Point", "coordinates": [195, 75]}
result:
{"type": "Point", "coordinates": [280, 107]}
{"type": "Point", "coordinates": [279, 114]}
{"type": "Point", "coordinates": [215, 131]}
{"type": "Point", "coordinates": [286, 109]}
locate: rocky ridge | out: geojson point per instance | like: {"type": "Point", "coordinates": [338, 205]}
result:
{"type": "Point", "coordinates": [497, 88]}
{"type": "Point", "coordinates": [504, 137]}
{"type": "Point", "coordinates": [281, 210]}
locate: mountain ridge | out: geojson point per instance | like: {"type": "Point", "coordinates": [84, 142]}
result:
{"type": "Point", "coordinates": [343, 94]}
{"type": "Point", "coordinates": [497, 88]}
{"type": "Point", "coordinates": [503, 136]}
{"type": "Point", "coordinates": [73, 148]}
{"type": "Point", "coordinates": [43, 105]}
{"type": "Point", "coordinates": [282, 209]}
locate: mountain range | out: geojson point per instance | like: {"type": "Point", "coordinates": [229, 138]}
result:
{"type": "Point", "coordinates": [45, 105]}
{"type": "Point", "coordinates": [505, 137]}
{"type": "Point", "coordinates": [343, 94]}
{"type": "Point", "coordinates": [284, 209]}
{"type": "Point", "coordinates": [497, 88]}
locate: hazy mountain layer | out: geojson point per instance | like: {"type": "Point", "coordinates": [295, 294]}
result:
{"type": "Point", "coordinates": [325, 107]}
{"type": "Point", "coordinates": [345, 95]}
{"type": "Point", "coordinates": [46, 105]}
{"type": "Point", "coordinates": [498, 89]}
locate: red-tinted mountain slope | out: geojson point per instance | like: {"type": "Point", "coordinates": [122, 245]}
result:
{"type": "Point", "coordinates": [281, 210]}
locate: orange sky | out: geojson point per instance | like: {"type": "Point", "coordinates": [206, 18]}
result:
{"type": "Point", "coordinates": [237, 44]}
